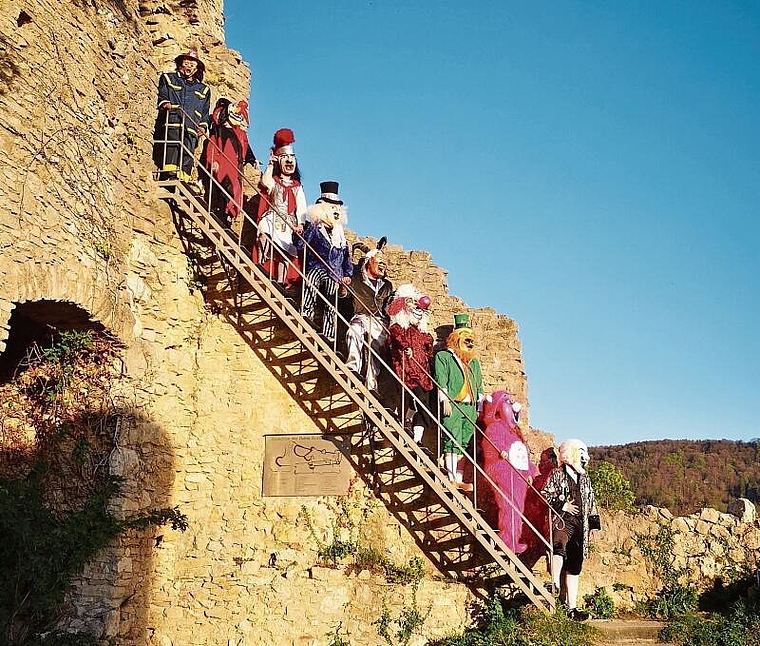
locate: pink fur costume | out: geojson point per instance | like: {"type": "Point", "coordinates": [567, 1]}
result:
{"type": "Point", "coordinates": [504, 455]}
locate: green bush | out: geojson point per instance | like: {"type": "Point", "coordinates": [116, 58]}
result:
{"type": "Point", "coordinates": [525, 626]}
{"type": "Point", "coordinates": [365, 557]}
{"type": "Point", "coordinates": [41, 552]}
{"type": "Point", "coordinates": [409, 622]}
{"type": "Point", "coordinates": [70, 344]}
{"type": "Point", "coordinates": [47, 539]}
{"type": "Point", "coordinates": [740, 626]}
{"type": "Point", "coordinates": [337, 550]}
{"type": "Point", "coordinates": [599, 604]}
{"type": "Point", "coordinates": [674, 598]}
{"type": "Point", "coordinates": [672, 601]}
{"type": "Point", "coordinates": [336, 639]}
{"type": "Point", "coordinates": [611, 489]}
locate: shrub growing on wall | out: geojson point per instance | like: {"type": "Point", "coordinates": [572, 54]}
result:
{"type": "Point", "coordinates": [54, 481]}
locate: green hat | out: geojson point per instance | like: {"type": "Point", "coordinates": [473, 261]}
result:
{"type": "Point", "coordinates": [461, 320]}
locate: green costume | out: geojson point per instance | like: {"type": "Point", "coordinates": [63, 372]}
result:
{"type": "Point", "coordinates": [450, 375]}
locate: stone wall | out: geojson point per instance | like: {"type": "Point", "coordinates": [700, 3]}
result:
{"type": "Point", "coordinates": [80, 224]}
{"type": "Point", "coordinates": [707, 545]}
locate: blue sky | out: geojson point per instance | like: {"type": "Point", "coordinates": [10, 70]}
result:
{"type": "Point", "coordinates": [590, 169]}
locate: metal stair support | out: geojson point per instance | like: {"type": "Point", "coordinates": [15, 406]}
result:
{"type": "Point", "coordinates": [424, 494]}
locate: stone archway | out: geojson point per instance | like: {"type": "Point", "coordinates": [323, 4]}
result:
{"type": "Point", "coordinates": [39, 322]}
{"type": "Point", "coordinates": [93, 291]}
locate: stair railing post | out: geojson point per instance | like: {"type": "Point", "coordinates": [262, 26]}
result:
{"type": "Point", "coordinates": [550, 550]}
{"type": "Point", "coordinates": [303, 282]}
{"type": "Point", "coordinates": [209, 193]}
{"type": "Point", "coordinates": [367, 350]}
{"type": "Point", "coordinates": [167, 114]}
{"type": "Point", "coordinates": [438, 425]}
{"type": "Point", "coordinates": [334, 315]}
{"type": "Point", "coordinates": [403, 390]}
{"type": "Point", "coordinates": [475, 460]}
{"type": "Point", "coordinates": [181, 146]}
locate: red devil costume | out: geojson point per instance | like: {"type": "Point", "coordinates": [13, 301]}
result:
{"type": "Point", "coordinates": [225, 153]}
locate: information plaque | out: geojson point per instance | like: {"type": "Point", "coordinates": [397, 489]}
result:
{"type": "Point", "coordinates": [305, 465]}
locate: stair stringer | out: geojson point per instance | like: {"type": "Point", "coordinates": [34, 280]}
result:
{"type": "Point", "coordinates": [365, 425]}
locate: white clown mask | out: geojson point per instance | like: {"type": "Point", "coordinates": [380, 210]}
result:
{"type": "Point", "coordinates": [575, 454]}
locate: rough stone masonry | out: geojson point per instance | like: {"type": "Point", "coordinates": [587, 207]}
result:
{"type": "Point", "coordinates": [80, 224]}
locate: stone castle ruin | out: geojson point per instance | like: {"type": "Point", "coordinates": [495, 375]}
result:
{"type": "Point", "coordinates": [87, 243]}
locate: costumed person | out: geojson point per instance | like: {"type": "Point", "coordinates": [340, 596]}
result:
{"type": "Point", "coordinates": [506, 460]}
{"type": "Point", "coordinates": [282, 212]}
{"type": "Point", "coordinates": [536, 510]}
{"type": "Point", "coordinates": [411, 351]}
{"type": "Point", "coordinates": [328, 261]}
{"type": "Point", "coordinates": [457, 372]}
{"type": "Point", "coordinates": [183, 116]}
{"type": "Point", "coordinates": [225, 153]}
{"type": "Point", "coordinates": [568, 490]}
{"type": "Point", "coordinates": [369, 288]}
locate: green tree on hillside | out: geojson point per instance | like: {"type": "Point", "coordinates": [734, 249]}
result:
{"type": "Point", "coordinates": [611, 489]}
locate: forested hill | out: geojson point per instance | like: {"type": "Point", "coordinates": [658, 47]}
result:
{"type": "Point", "coordinates": [686, 475]}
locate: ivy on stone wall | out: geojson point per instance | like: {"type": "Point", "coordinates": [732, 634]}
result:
{"type": "Point", "coordinates": [55, 488]}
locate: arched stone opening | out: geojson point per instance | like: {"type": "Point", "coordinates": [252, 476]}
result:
{"type": "Point", "coordinates": [105, 435]}
{"type": "Point", "coordinates": [40, 322]}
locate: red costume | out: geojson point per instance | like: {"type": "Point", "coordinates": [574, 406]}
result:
{"type": "Point", "coordinates": [282, 212]}
{"type": "Point", "coordinates": [414, 370]}
{"type": "Point", "coordinates": [506, 460]}
{"type": "Point", "coordinates": [537, 510]}
{"type": "Point", "coordinates": [226, 152]}
{"type": "Point", "coordinates": [410, 346]}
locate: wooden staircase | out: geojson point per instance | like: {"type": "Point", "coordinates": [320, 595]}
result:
{"type": "Point", "coordinates": [443, 521]}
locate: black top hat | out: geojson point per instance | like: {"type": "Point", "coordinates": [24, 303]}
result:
{"type": "Point", "coordinates": [329, 193]}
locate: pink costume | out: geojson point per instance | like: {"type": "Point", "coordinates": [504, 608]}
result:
{"type": "Point", "coordinates": [504, 455]}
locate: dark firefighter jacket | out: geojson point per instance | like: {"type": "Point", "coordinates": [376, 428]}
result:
{"type": "Point", "coordinates": [194, 98]}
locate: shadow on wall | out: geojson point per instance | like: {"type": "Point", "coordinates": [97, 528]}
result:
{"type": "Point", "coordinates": [8, 69]}
{"type": "Point", "coordinates": [77, 463]}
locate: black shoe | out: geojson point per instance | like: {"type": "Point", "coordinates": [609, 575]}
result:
{"type": "Point", "coordinates": [577, 615]}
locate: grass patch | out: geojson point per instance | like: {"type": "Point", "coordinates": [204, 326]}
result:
{"type": "Point", "coordinates": [526, 626]}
